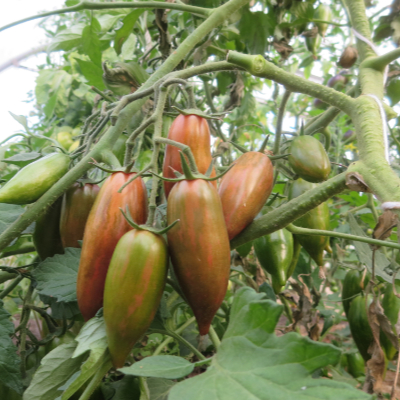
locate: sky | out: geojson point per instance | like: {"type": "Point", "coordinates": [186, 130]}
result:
{"type": "Point", "coordinates": [16, 82]}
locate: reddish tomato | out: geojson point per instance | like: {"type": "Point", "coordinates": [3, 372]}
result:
{"type": "Point", "coordinates": [76, 205]}
{"type": "Point", "coordinates": [199, 247]}
{"type": "Point", "coordinates": [132, 293]}
{"type": "Point", "coordinates": [245, 189]}
{"type": "Point", "coordinates": [104, 227]}
{"type": "Point", "coordinates": [192, 131]}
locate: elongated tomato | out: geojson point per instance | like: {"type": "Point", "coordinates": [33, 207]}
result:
{"type": "Point", "coordinates": [199, 247]}
{"type": "Point", "coordinates": [76, 205]}
{"type": "Point", "coordinates": [245, 189]}
{"type": "Point", "coordinates": [133, 289]}
{"type": "Point", "coordinates": [104, 227]}
{"type": "Point", "coordinates": [192, 131]}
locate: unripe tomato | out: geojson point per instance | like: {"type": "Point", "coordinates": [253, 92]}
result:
{"type": "Point", "coordinates": [76, 205]}
{"type": "Point", "coordinates": [199, 247]}
{"type": "Point", "coordinates": [194, 132]}
{"type": "Point", "coordinates": [46, 236]}
{"type": "Point", "coordinates": [74, 146]}
{"type": "Point", "coordinates": [32, 181]}
{"type": "Point", "coordinates": [323, 13]}
{"type": "Point", "coordinates": [59, 340]}
{"type": "Point", "coordinates": [317, 218]}
{"type": "Point", "coordinates": [309, 160]}
{"type": "Point", "coordinates": [133, 289]}
{"type": "Point", "coordinates": [65, 139]}
{"type": "Point", "coordinates": [104, 227]}
{"type": "Point", "coordinates": [244, 189]}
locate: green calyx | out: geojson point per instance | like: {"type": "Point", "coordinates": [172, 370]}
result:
{"type": "Point", "coordinates": [132, 223]}
{"type": "Point", "coordinates": [199, 113]}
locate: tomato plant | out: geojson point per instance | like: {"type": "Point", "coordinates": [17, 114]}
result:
{"type": "Point", "coordinates": [203, 204]}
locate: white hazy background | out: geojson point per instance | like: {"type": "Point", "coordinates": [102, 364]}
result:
{"type": "Point", "coordinates": [16, 82]}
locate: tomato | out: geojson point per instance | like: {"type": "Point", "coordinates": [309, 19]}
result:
{"type": "Point", "coordinates": [309, 160]}
{"type": "Point", "coordinates": [133, 289]}
{"type": "Point", "coordinates": [59, 340]}
{"type": "Point", "coordinates": [74, 146]}
{"type": "Point", "coordinates": [65, 139]}
{"type": "Point", "coordinates": [348, 57]}
{"type": "Point", "coordinates": [76, 205]}
{"type": "Point", "coordinates": [354, 283]}
{"type": "Point", "coordinates": [275, 253]}
{"type": "Point", "coordinates": [194, 132]}
{"type": "Point", "coordinates": [355, 364]}
{"type": "Point", "coordinates": [313, 44]}
{"type": "Point", "coordinates": [104, 227]}
{"type": "Point", "coordinates": [244, 189]}
{"type": "Point", "coordinates": [46, 236]}
{"type": "Point", "coordinates": [199, 247]}
{"type": "Point", "coordinates": [323, 13]}
{"type": "Point", "coordinates": [32, 181]}
{"type": "Point", "coordinates": [317, 218]}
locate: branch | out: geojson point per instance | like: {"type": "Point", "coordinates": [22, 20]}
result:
{"type": "Point", "coordinates": [287, 213]}
{"type": "Point", "coordinates": [281, 114]}
{"type": "Point", "coordinates": [317, 232]}
{"type": "Point", "coordinates": [107, 140]}
{"type": "Point", "coordinates": [88, 5]}
{"type": "Point", "coordinates": [259, 66]}
{"type": "Point", "coordinates": [16, 60]}
{"type": "Point", "coordinates": [380, 63]}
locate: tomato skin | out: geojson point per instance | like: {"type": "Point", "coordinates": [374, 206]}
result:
{"type": "Point", "coordinates": [32, 181]}
{"type": "Point", "coordinates": [317, 218]}
{"type": "Point", "coordinates": [244, 189]}
{"type": "Point", "coordinates": [104, 227]}
{"type": "Point", "coordinates": [134, 285]}
{"type": "Point", "coordinates": [275, 253]}
{"type": "Point", "coordinates": [46, 236]}
{"type": "Point", "coordinates": [199, 247]}
{"type": "Point", "coordinates": [354, 283]}
{"type": "Point", "coordinates": [76, 205]}
{"type": "Point", "coordinates": [194, 132]}
{"type": "Point", "coordinates": [309, 160]}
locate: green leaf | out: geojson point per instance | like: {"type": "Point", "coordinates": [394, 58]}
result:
{"type": "Point", "coordinates": [61, 309]}
{"type": "Point", "coordinates": [22, 159]}
{"type": "Point", "coordinates": [10, 375]}
{"type": "Point", "coordinates": [20, 119]}
{"type": "Point", "coordinates": [127, 26]}
{"type": "Point", "coordinates": [70, 3]}
{"type": "Point", "coordinates": [126, 388]}
{"type": "Point", "coordinates": [67, 39]}
{"type": "Point", "coordinates": [107, 21]}
{"type": "Point", "coordinates": [253, 363]}
{"type": "Point", "coordinates": [8, 214]}
{"type": "Point", "coordinates": [50, 106]}
{"type": "Point", "coordinates": [255, 28]}
{"type": "Point", "coordinates": [128, 47]}
{"type": "Point", "coordinates": [364, 252]}
{"type": "Point", "coordinates": [159, 388]}
{"type": "Point", "coordinates": [91, 42]}
{"type": "Point", "coordinates": [393, 91]}
{"type": "Point", "coordinates": [169, 367]}
{"type": "Point", "coordinates": [56, 276]}
{"type": "Point", "coordinates": [92, 73]}
{"type": "Point", "coordinates": [92, 337]}
{"type": "Point", "coordinates": [55, 370]}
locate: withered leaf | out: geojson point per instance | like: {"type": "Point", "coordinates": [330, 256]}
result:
{"type": "Point", "coordinates": [383, 229]}
{"type": "Point", "coordinates": [354, 181]}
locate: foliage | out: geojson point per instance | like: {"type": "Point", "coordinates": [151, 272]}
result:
{"type": "Point", "coordinates": [288, 345]}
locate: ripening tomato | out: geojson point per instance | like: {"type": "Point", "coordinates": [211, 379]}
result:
{"type": "Point", "coordinates": [244, 189]}
{"type": "Point", "coordinates": [199, 247]}
{"type": "Point", "coordinates": [193, 131]}
{"type": "Point", "coordinates": [104, 227]}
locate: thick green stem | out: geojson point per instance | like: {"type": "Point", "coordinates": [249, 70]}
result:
{"type": "Point", "coordinates": [317, 232]}
{"type": "Point", "coordinates": [89, 5]}
{"type": "Point", "coordinates": [214, 337]}
{"type": "Point", "coordinates": [381, 62]}
{"type": "Point", "coordinates": [107, 141]}
{"type": "Point", "coordinates": [288, 212]}
{"type": "Point", "coordinates": [259, 66]}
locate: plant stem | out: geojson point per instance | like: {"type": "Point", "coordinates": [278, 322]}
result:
{"type": "Point", "coordinates": [169, 339]}
{"type": "Point", "coordinates": [89, 5]}
{"type": "Point", "coordinates": [259, 66]}
{"type": "Point", "coordinates": [279, 122]}
{"type": "Point", "coordinates": [11, 287]}
{"type": "Point", "coordinates": [214, 338]}
{"type": "Point", "coordinates": [180, 339]}
{"type": "Point", "coordinates": [288, 212]}
{"type": "Point", "coordinates": [317, 232]}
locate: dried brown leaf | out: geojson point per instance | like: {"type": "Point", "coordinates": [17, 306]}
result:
{"type": "Point", "coordinates": [383, 229]}
{"type": "Point", "coordinates": [354, 181]}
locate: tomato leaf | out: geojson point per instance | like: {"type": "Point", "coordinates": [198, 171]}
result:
{"type": "Point", "coordinates": [92, 337]}
{"type": "Point", "coordinates": [9, 361]}
{"type": "Point", "coordinates": [54, 372]}
{"type": "Point", "coordinates": [56, 276]}
{"type": "Point", "coordinates": [8, 214]}
{"type": "Point", "coordinates": [92, 72]}
{"type": "Point", "coordinates": [22, 159]}
{"type": "Point", "coordinates": [91, 42]}
{"type": "Point", "coordinates": [252, 362]}
{"type": "Point", "coordinates": [126, 29]}
{"type": "Point", "coordinates": [169, 367]}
